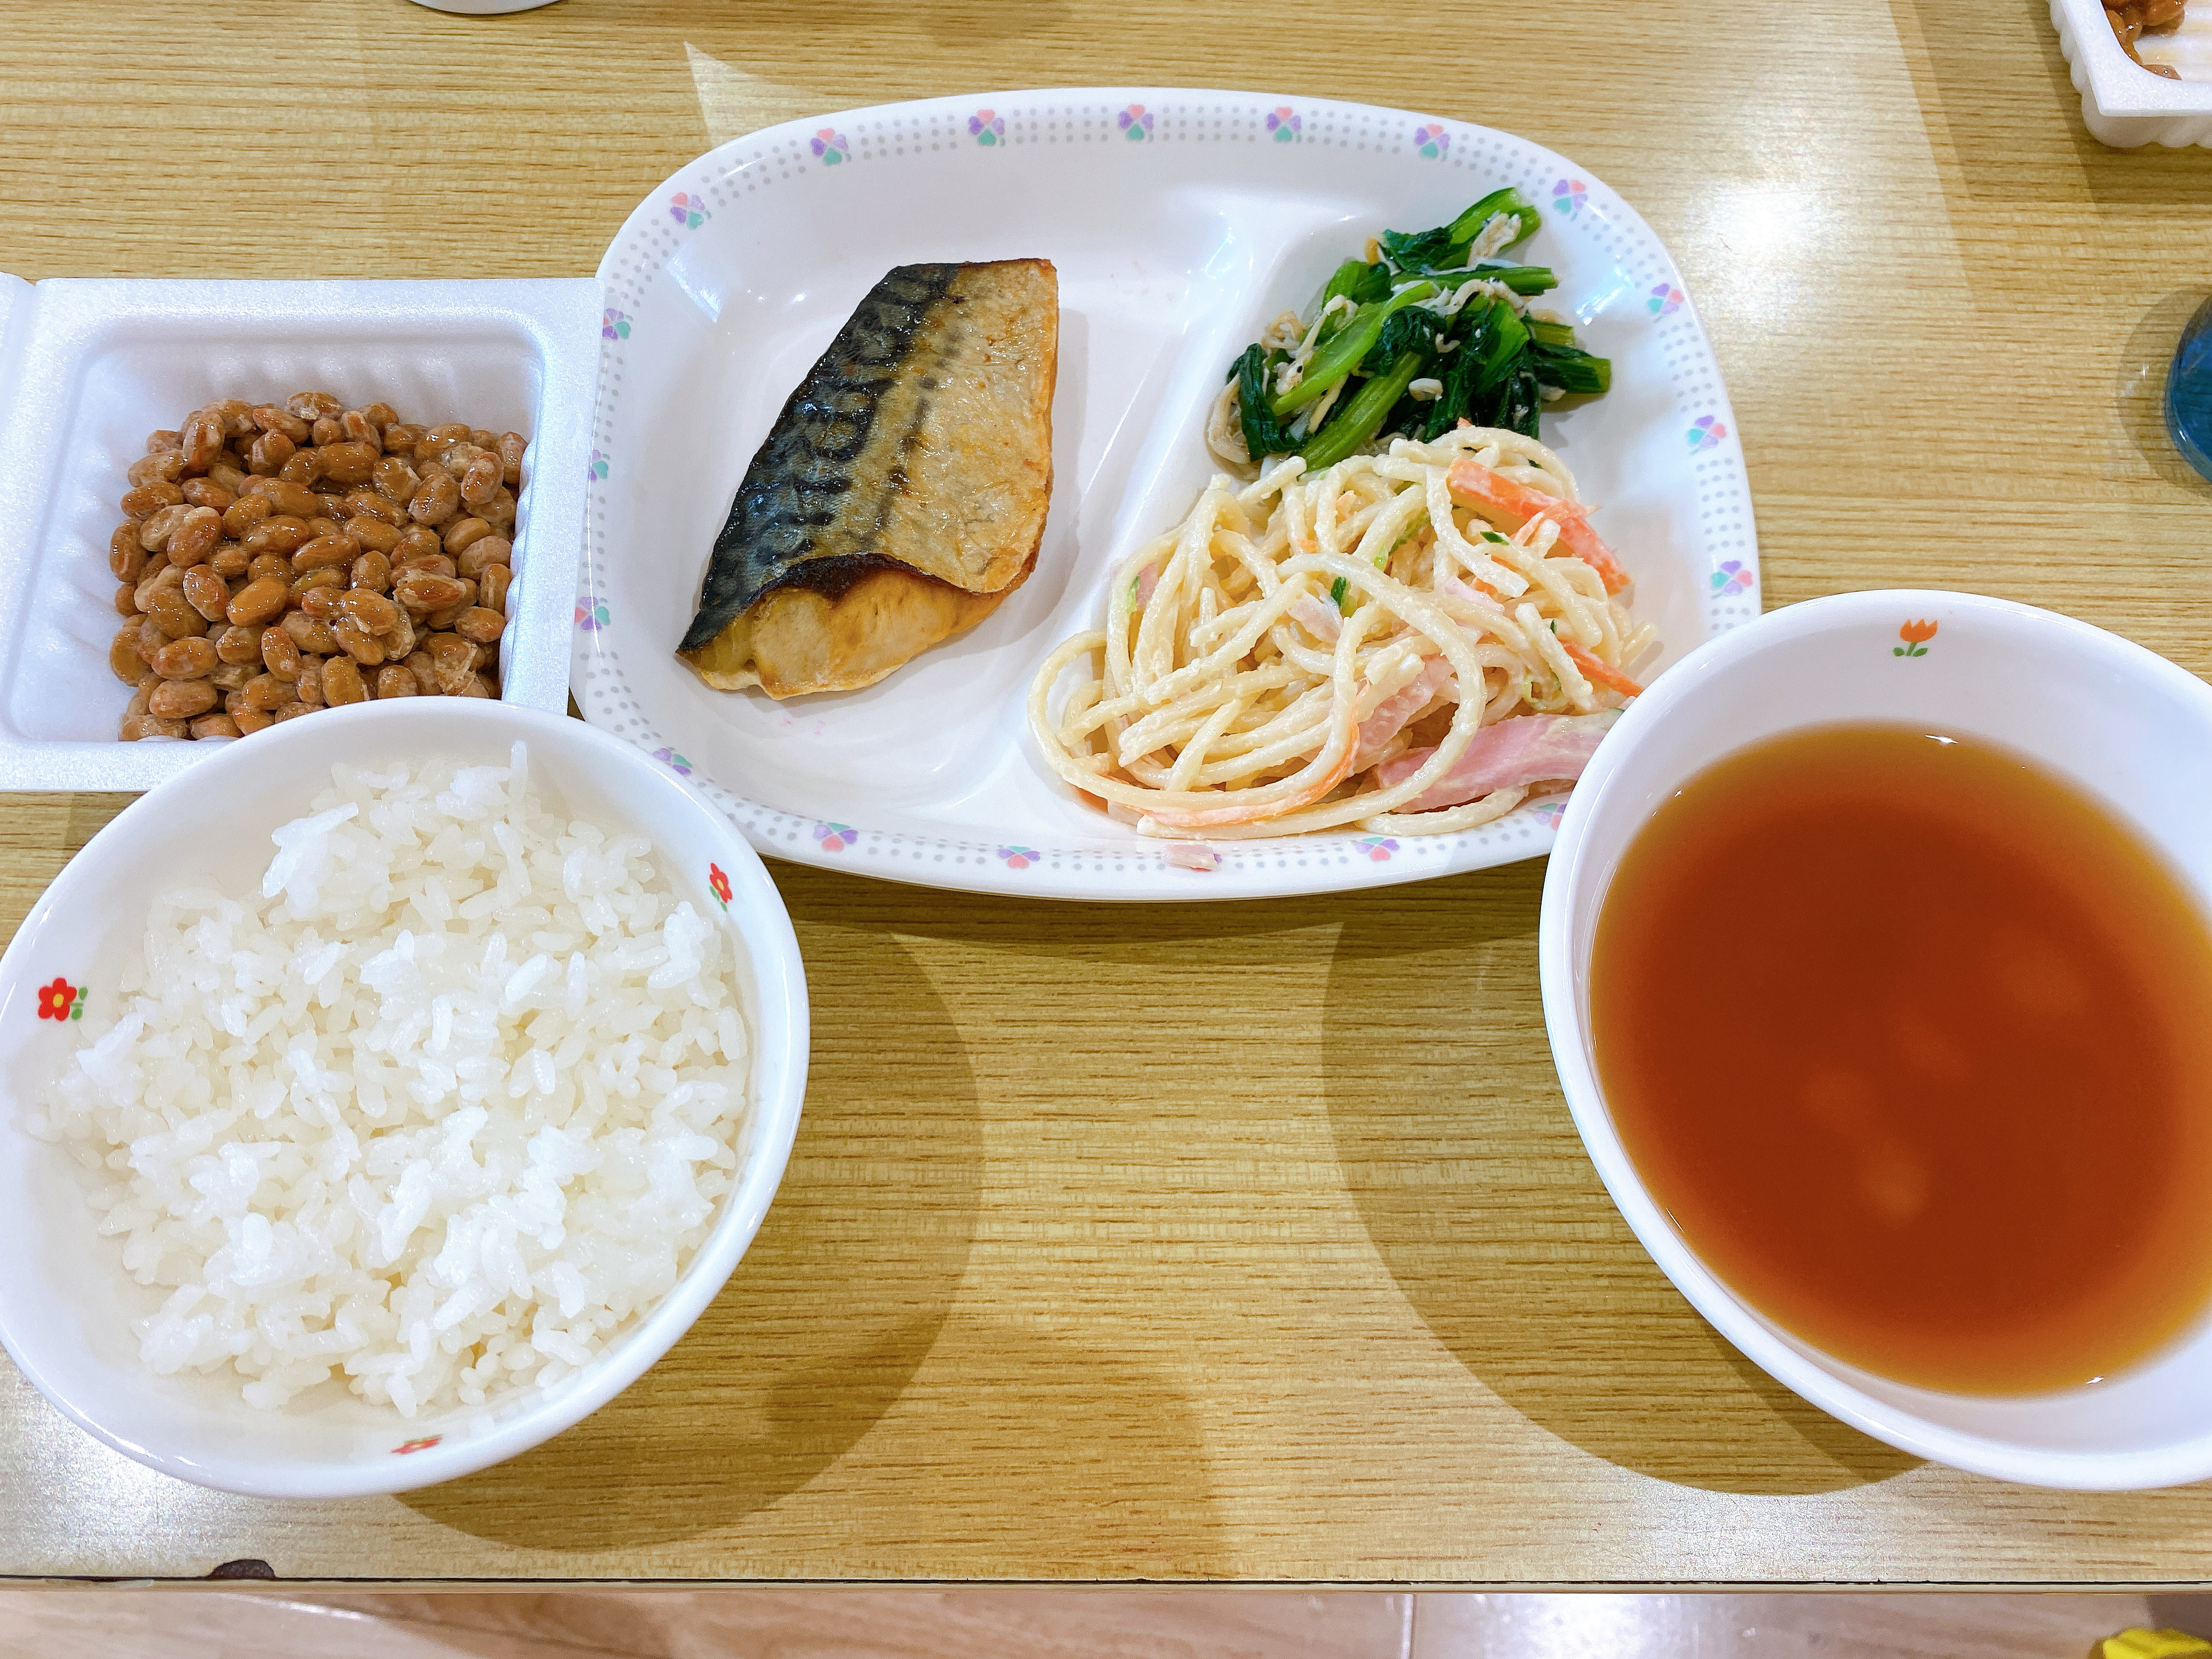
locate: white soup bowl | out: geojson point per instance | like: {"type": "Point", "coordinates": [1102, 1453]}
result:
{"type": "Point", "coordinates": [2129, 727]}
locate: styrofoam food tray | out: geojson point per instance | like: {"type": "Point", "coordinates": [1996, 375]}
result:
{"type": "Point", "coordinates": [89, 367]}
{"type": "Point", "coordinates": [2124, 105]}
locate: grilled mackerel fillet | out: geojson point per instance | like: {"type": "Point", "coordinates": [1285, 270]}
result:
{"type": "Point", "coordinates": [900, 494]}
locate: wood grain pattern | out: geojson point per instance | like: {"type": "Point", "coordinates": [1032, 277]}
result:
{"type": "Point", "coordinates": [1239, 1242]}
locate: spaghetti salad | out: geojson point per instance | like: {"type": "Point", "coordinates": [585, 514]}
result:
{"type": "Point", "coordinates": [1406, 642]}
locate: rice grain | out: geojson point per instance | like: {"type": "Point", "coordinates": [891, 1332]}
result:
{"type": "Point", "coordinates": [435, 1113]}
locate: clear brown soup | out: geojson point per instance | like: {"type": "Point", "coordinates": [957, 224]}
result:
{"type": "Point", "coordinates": [1913, 1041]}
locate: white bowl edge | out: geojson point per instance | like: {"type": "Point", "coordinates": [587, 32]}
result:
{"type": "Point", "coordinates": [1836, 1388]}
{"type": "Point", "coordinates": [778, 1029]}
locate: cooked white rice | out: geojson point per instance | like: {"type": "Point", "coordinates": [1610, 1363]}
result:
{"type": "Point", "coordinates": [436, 1113]}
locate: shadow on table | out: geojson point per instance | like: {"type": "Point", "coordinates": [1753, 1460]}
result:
{"type": "Point", "coordinates": [1476, 1190]}
{"type": "Point", "coordinates": [825, 1320]}
{"type": "Point", "coordinates": [1995, 89]}
{"type": "Point", "coordinates": [2140, 395]}
{"type": "Point", "coordinates": [1035, 1455]}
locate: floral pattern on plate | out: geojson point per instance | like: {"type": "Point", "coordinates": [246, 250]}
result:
{"type": "Point", "coordinates": [935, 144]}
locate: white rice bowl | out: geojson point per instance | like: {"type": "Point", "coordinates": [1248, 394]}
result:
{"type": "Point", "coordinates": [430, 1116]}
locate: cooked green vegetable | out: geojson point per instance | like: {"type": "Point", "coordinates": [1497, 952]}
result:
{"type": "Point", "coordinates": [1412, 329]}
{"type": "Point", "coordinates": [1571, 369]}
{"type": "Point", "coordinates": [1528, 280]}
{"type": "Point", "coordinates": [1344, 353]}
{"type": "Point", "coordinates": [1508, 343]}
{"type": "Point", "coordinates": [1422, 251]}
{"type": "Point", "coordinates": [1445, 248]}
{"type": "Point", "coordinates": [1361, 417]}
{"type": "Point", "coordinates": [1358, 282]}
{"type": "Point", "coordinates": [1468, 343]}
{"type": "Point", "coordinates": [1263, 433]}
{"type": "Point", "coordinates": [1524, 397]}
{"type": "Point", "coordinates": [1486, 359]}
{"type": "Point", "coordinates": [1451, 405]}
{"type": "Point", "coordinates": [1469, 224]}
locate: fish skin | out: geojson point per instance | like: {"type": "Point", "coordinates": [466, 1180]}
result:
{"type": "Point", "coordinates": [919, 443]}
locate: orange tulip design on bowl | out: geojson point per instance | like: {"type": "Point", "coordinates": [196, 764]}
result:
{"type": "Point", "coordinates": [1916, 635]}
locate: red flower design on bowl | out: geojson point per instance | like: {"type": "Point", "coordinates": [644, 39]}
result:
{"type": "Point", "coordinates": [55, 1000]}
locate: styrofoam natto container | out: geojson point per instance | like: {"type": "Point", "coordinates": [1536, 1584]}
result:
{"type": "Point", "coordinates": [67, 1304]}
{"type": "Point", "coordinates": [89, 367]}
{"type": "Point", "coordinates": [2123, 103]}
{"type": "Point", "coordinates": [2123, 725]}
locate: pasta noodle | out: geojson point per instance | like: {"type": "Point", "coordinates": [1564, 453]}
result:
{"type": "Point", "coordinates": [1306, 653]}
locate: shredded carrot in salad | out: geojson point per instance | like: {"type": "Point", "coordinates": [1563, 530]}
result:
{"type": "Point", "coordinates": [1407, 641]}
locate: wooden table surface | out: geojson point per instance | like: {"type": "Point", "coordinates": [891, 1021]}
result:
{"type": "Point", "coordinates": [1219, 1242]}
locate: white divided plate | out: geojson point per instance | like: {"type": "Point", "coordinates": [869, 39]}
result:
{"type": "Point", "coordinates": [1180, 221]}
